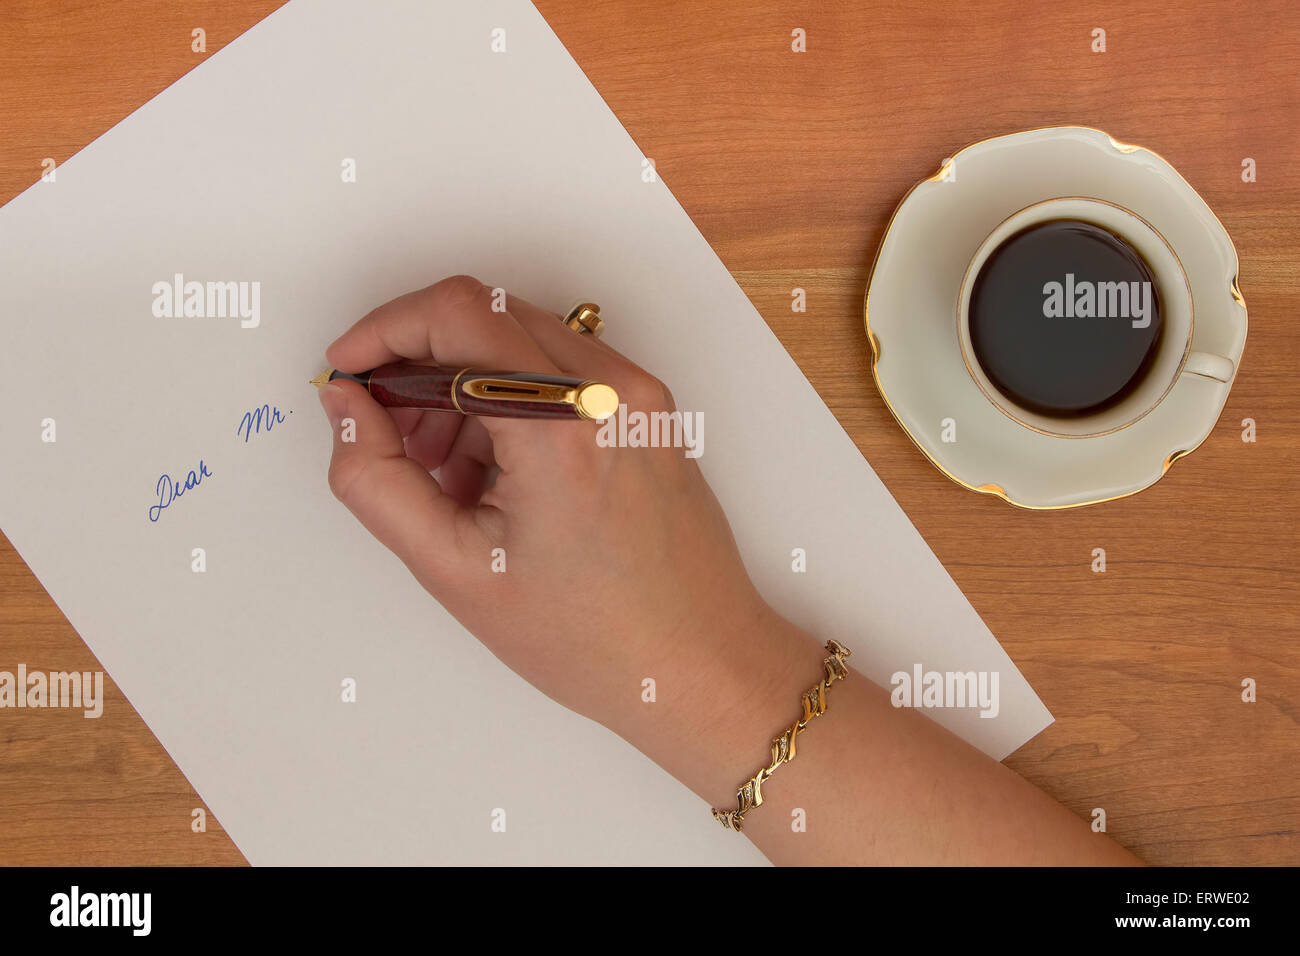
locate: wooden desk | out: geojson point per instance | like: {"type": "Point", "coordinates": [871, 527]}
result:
{"type": "Point", "coordinates": [790, 165]}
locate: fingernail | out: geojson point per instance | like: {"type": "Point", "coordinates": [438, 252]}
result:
{"type": "Point", "coordinates": [334, 402]}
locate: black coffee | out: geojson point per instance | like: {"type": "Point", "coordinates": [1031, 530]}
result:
{"type": "Point", "coordinates": [1064, 318]}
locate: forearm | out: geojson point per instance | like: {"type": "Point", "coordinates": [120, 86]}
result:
{"type": "Point", "coordinates": [876, 784]}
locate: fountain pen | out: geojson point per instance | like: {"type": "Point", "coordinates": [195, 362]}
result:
{"type": "Point", "coordinates": [473, 391]}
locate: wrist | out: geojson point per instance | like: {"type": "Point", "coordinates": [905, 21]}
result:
{"type": "Point", "coordinates": [719, 702]}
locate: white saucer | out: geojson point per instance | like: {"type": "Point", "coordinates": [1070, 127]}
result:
{"type": "Point", "coordinates": [912, 297]}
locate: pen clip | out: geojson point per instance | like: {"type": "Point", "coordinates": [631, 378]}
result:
{"type": "Point", "coordinates": [510, 390]}
{"type": "Point", "coordinates": [590, 400]}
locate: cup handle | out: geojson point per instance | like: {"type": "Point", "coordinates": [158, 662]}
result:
{"type": "Point", "coordinates": [1209, 365]}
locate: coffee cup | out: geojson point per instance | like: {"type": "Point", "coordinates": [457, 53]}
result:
{"type": "Point", "coordinates": [1106, 353]}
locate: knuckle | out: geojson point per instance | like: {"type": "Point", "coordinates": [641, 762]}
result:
{"type": "Point", "coordinates": [645, 392]}
{"type": "Point", "coordinates": [455, 291]}
{"type": "Point", "coordinates": [344, 474]}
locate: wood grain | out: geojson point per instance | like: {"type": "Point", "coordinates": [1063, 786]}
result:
{"type": "Point", "coordinates": [790, 165]}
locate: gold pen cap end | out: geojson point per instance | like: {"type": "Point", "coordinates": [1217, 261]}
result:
{"type": "Point", "coordinates": [596, 401]}
{"type": "Point", "coordinates": [322, 378]}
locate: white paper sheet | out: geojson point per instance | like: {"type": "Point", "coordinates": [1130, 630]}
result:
{"type": "Point", "coordinates": [508, 166]}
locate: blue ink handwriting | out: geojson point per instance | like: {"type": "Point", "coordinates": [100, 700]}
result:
{"type": "Point", "coordinates": [168, 490]}
{"type": "Point", "coordinates": [252, 422]}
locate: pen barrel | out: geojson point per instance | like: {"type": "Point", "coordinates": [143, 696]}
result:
{"type": "Point", "coordinates": [413, 386]}
{"type": "Point", "coordinates": [426, 386]}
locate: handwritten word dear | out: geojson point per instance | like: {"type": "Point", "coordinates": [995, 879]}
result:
{"type": "Point", "coordinates": [169, 489]}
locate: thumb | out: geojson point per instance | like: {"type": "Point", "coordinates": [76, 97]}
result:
{"type": "Point", "coordinates": [396, 499]}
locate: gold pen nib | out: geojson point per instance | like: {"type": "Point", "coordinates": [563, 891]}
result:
{"type": "Point", "coordinates": [322, 378]}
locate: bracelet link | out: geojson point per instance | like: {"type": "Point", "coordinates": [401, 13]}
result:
{"type": "Point", "coordinates": [750, 793]}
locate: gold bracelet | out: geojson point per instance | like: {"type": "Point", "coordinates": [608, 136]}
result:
{"type": "Point", "coordinates": [750, 793]}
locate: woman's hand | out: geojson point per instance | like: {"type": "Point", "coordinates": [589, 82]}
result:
{"type": "Point", "coordinates": [619, 563]}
